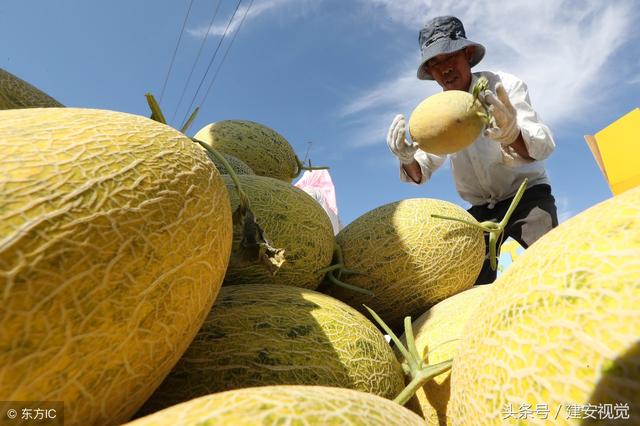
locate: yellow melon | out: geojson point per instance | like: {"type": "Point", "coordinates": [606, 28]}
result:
{"type": "Point", "coordinates": [437, 333]}
{"type": "Point", "coordinates": [446, 122]}
{"type": "Point", "coordinates": [284, 405]}
{"type": "Point", "coordinates": [115, 233]}
{"type": "Point", "coordinates": [560, 329]}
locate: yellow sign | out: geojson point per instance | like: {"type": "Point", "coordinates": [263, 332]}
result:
{"type": "Point", "coordinates": [616, 149]}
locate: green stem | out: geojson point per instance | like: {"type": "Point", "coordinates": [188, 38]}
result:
{"type": "Point", "coordinates": [420, 378]}
{"type": "Point", "coordinates": [156, 112]}
{"type": "Point", "coordinates": [514, 203]}
{"type": "Point", "coordinates": [187, 123]}
{"type": "Point", "coordinates": [301, 167]}
{"type": "Point", "coordinates": [244, 200]}
{"type": "Point", "coordinates": [411, 342]}
{"type": "Point", "coordinates": [401, 347]}
{"type": "Point", "coordinates": [337, 282]}
{"type": "Point", "coordinates": [329, 268]}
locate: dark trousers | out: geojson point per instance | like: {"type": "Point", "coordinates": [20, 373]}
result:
{"type": "Point", "coordinates": [534, 216]}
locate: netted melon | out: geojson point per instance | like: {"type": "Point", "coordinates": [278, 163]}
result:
{"type": "Point", "coordinates": [16, 93]}
{"type": "Point", "coordinates": [237, 165]}
{"type": "Point", "coordinates": [408, 259]}
{"type": "Point", "coordinates": [266, 151]}
{"type": "Point", "coordinates": [258, 335]}
{"type": "Point", "coordinates": [285, 405]}
{"type": "Point", "coordinates": [560, 328]}
{"type": "Point", "coordinates": [437, 333]}
{"type": "Point", "coordinates": [292, 220]}
{"type": "Point", "coordinates": [115, 233]}
{"type": "Point", "coordinates": [448, 121]}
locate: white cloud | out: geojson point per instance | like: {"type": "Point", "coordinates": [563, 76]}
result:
{"type": "Point", "coordinates": [259, 7]}
{"type": "Point", "coordinates": [561, 49]}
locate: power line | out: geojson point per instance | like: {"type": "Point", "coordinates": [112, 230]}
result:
{"type": "Point", "coordinates": [173, 58]}
{"type": "Point", "coordinates": [211, 62]}
{"type": "Point", "coordinates": [193, 67]}
{"type": "Point", "coordinates": [235, 34]}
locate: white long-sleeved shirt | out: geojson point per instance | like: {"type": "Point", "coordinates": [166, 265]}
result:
{"type": "Point", "coordinates": [485, 172]}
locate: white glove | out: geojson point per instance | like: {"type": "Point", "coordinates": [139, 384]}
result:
{"type": "Point", "coordinates": [397, 142]}
{"type": "Point", "coordinates": [504, 127]}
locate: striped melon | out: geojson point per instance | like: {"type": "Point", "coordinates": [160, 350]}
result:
{"type": "Point", "coordinates": [16, 93]}
{"type": "Point", "coordinates": [115, 232]}
{"type": "Point", "coordinates": [437, 333]}
{"type": "Point", "coordinates": [284, 405]}
{"type": "Point", "coordinates": [409, 260]}
{"type": "Point", "coordinates": [259, 335]}
{"type": "Point", "coordinates": [266, 151]}
{"type": "Point", "coordinates": [561, 327]}
{"type": "Point", "coordinates": [292, 220]}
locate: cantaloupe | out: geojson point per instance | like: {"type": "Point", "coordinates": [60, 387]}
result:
{"type": "Point", "coordinates": [284, 405]}
{"type": "Point", "coordinates": [266, 151]}
{"type": "Point", "coordinates": [258, 335]}
{"type": "Point", "coordinates": [560, 327]}
{"type": "Point", "coordinates": [16, 93]}
{"type": "Point", "coordinates": [437, 333]}
{"type": "Point", "coordinates": [238, 166]}
{"type": "Point", "coordinates": [115, 233]}
{"type": "Point", "coordinates": [408, 259]}
{"type": "Point", "coordinates": [448, 121]}
{"type": "Point", "coordinates": [293, 221]}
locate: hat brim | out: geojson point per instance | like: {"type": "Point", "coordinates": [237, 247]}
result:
{"type": "Point", "coordinates": [446, 46]}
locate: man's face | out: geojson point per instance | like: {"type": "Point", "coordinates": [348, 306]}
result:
{"type": "Point", "coordinates": [451, 70]}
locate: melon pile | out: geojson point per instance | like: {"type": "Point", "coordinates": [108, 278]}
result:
{"type": "Point", "coordinates": [160, 279]}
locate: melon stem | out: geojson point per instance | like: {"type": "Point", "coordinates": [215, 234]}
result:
{"type": "Point", "coordinates": [351, 287]}
{"type": "Point", "coordinates": [301, 167]}
{"type": "Point", "coordinates": [494, 229]}
{"type": "Point", "coordinates": [419, 372]}
{"type": "Point", "coordinates": [187, 123]}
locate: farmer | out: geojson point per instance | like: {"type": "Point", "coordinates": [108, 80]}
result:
{"type": "Point", "coordinates": [488, 172]}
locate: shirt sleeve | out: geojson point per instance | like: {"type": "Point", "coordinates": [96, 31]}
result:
{"type": "Point", "coordinates": [537, 136]}
{"type": "Point", "coordinates": [429, 163]}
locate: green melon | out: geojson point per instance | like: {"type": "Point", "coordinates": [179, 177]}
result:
{"type": "Point", "coordinates": [237, 165]}
{"type": "Point", "coordinates": [284, 405]}
{"type": "Point", "coordinates": [258, 335]}
{"type": "Point", "coordinates": [409, 260]}
{"type": "Point", "coordinates": [560, 327]}
{"type": "Point", "coordinates": [437, 333]}
{"type": "Point", "coordinates": [16, 93]}
{"type": "Point", "coordinates": [115, 233]}
{"type": "Point", "coordinates": [266, 151]}
{"type": "Point", "coordinates": [292, 220]}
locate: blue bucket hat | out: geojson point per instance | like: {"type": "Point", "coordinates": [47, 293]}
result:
{"type": "Point", "coordinates": [444, 34]}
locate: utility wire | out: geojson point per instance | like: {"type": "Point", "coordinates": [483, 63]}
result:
{"type": "Point", "coordinates": [193, 67]}
{"type": "Point", "coordinates": [173, 58]}
{"type": "Point", "coordinates": [235, 34]}
{"type": "Point", "coordinates": [211, 61]}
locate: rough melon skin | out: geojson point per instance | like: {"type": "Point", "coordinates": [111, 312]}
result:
{"type": "Point", "coordinates": [258, 335]}
{"type": "Point", "coordinates": [115, 232]}
{"type": "Point", "coordinates": [292, 220]}
{"type": "Point", "coordinates": [16, 93]}
{"type": "Point", "coordinates": [266, 151]}
{"type": "Point", "coordinates": [285, 405]}
{"type": "Point", "coordinates": [237, 165]}
{"type": "Point", "coordinates": [561, 326]}
{"type": "Point", "coordinates": [446, 122]}
{"type": "Point", "coordinates": [409, 260]}
{"type": "Point", "coordinates": [437, 333]}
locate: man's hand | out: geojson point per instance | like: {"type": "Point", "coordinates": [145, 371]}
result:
{"type": "Point", "coordinates": [504, 127]}
{"type": "Point", "coordinates": [397, 142]}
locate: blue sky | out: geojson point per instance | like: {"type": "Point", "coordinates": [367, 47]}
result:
{"type": "Point", "coordinates": [334, 73]}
